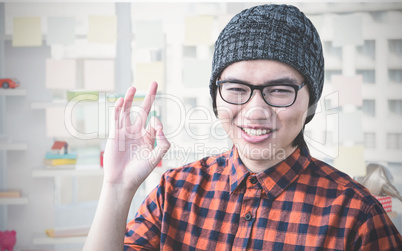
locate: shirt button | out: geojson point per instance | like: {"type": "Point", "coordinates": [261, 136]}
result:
{"type": "Point", "coordinates": [253, 180]}
{"type": "Point", "coordinates": [248, 217]}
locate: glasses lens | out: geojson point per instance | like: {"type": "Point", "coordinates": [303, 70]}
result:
{"type": "Point", "coordinates": [235, 93]}
{"type": "Point", "coordinates": [279, 95]}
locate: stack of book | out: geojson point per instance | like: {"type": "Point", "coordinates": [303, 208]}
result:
{"type": "Point", "coordinates": [60, 161]}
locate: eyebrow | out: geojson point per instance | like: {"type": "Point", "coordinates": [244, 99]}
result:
{"type": "Point", "coordinates": [282, 80]}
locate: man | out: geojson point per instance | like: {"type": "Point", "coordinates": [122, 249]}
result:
{"type": "Point", "coordinates": [267, 193]}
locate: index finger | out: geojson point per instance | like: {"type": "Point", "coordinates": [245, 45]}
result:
{"type": "Point", "coordinates": [147, 104]}
{"type": "Point", "coordinates": [128, 101]}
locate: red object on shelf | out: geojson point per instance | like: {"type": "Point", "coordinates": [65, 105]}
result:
{"type": "Point", "coordinates": [7, 240]}
{"type": "Point", "coordinates": [60, 147]}
{"type": "Point", "coordinates": [386, 202]}
{"type": "Point", "coordinates": [101, 158]}
{"type": "Point", "coordinates": [9, 83]}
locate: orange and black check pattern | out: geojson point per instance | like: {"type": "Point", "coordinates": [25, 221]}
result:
{"type": "Point", "coordinates": [299, 204]}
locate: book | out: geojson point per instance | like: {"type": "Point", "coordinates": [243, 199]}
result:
{"type": "Point", "coordinates": [50, 155]}
{"type": "Point", "coordinates": [59, 162]}
{"type": "Point", "coordinates": [67, 232]}
{"type": "Point", "coordinates": [60, 167]}
{"type": "Point", "coordinates": [10, 194]}
{"type": "Point", "coordinates": [82, 95]}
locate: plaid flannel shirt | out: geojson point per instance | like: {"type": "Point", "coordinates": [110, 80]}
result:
{"type": "Point", "coordinates": [299, 204]}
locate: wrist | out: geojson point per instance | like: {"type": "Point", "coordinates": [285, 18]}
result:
{"type": "Point", "coordinates": [119, 194]}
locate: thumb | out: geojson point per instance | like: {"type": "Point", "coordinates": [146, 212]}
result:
{"type": "Point", "coordinates": [162, 144]}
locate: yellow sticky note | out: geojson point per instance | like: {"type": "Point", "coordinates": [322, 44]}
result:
{"type": "Point", "coordinates": [198, 30]}
{"type": "Point", "coordinates": [102, 29]}
{"type": "Point", "coordinates": [351, 160]}
{"type": "Point", "coordinates": [27, 32]}
{"type": "Point", "coordinates": [145, 73]}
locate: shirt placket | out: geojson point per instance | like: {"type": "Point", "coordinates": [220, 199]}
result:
{"type": "Point", "coordinates": [250, 203]}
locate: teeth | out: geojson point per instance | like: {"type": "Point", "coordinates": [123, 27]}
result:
{"type": "Point", "coordinates": [254, 132]}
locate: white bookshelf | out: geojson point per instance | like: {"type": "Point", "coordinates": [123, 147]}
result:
{"type": "Point", "coordinates": [52, 173]}
{"type": "Point", "coordinates": [43, 239]}
{"type": "Point", "coordinates": [13, 92]}
{"type": "Point", "coordinates": [13, 146]}
{"type": "Point", "coordinates": [8, 145]}
{"type": "Point", "coordinates": [44, 105]}
{"type": "Point", "coordinates": [13, 201]}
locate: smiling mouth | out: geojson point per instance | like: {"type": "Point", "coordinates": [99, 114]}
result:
{"type": "Point", "coordinates": [256, 132]}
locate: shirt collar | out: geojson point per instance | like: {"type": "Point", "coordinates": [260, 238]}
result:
{"type": "Point", "coordinates": [276, 178]}
{"type": "Point", "coordinates": [237, 170]}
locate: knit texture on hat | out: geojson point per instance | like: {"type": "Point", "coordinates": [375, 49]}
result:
{"type": "Point", "coordinates": [276, 32]}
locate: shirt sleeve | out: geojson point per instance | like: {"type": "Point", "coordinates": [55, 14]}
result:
{"type": "Point", "coordinates": [377, 232]}
{"type": "Point", "coordinates": [144, 231]}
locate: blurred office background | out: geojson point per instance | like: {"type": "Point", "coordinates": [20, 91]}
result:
{"type": "Point", "coordinates": [60, 51]}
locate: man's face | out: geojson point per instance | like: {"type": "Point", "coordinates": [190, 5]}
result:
{"type": "Point", "coordinates": [263, 134]}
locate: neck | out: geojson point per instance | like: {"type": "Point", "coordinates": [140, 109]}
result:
{"type": "Point", "coordinates": [257, 164]}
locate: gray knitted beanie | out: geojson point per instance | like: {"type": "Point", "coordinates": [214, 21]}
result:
{"type": "Point", "coordinates": [276, 32]}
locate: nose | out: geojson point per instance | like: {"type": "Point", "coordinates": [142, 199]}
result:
{"type": "Point", "coordinates": [257, 109]}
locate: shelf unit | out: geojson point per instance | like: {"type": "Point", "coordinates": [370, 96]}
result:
{"type": "Point", "coordinates": [44, 105]}
{"type": "Point", "coordinates": [6, 146]}
{"type": "Point", "coordinates": [13, 92]}
{"type": "Point", "coordinates": [53, 173]}
{"type": "Point", "coordinates": [139, 97]}
{"type": "Point", "coordinates": [13, 146]}
{"type": "Point", "coordinates": [43, 239]}
{"type": "Point", "coordinates": [13, 201]}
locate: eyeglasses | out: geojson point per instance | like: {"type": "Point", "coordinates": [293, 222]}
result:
{"type": "Point", "coordinates": [276, 95]}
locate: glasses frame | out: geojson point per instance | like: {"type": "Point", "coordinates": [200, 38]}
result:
{"type": "Point", "coordinates": [260, 88]}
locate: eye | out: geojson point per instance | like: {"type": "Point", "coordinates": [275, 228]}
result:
{"type": "Point", "coordinates": [235, 88]}
{"type": "Point", "coordinates": [279, 90]}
